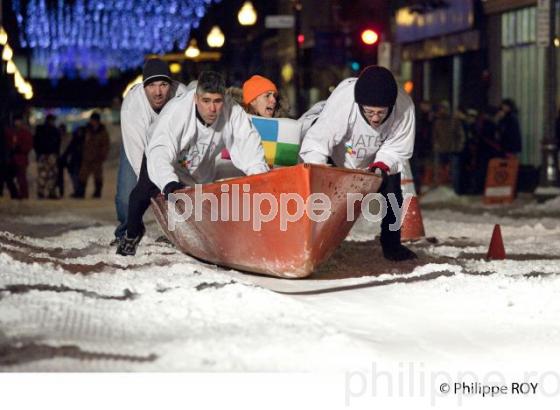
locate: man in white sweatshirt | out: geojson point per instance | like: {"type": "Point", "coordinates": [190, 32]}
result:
{"type": "Point", "coordinates": [367, 123]}
{"type": "Point", "coordinates": [184, 142]}
{"type": "Point", "coordinates": [140, 108]}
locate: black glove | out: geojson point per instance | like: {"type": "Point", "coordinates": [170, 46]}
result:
{"type": "Point", "coordinates": [172, 187]}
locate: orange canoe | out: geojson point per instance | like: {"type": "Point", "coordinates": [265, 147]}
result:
{"type": "Point", "coordinates": [288, 244]}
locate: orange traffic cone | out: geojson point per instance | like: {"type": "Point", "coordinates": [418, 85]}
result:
{"type": "Point", "coordinates": [412, 227]}
{"type": "Point", "coordinates": [496, 249]}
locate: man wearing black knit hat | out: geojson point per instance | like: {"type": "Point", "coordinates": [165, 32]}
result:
{"type": "Point", "coordinates": [367, 123]}
{"type": "Point", "coordinates": [140, 108]}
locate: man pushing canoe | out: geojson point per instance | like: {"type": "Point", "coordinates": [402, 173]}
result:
{"type": "Point", "coordinates": [367, 123]}
{"type": "Point", "coordinates": [186, 138]}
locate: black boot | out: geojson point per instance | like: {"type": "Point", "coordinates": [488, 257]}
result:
{"type": "Point", "coordinates": [127, 246]}
{"type": "Point", "coordinates": [80, 192]}
{"type": "Point", "coordinates": [98, 188]}
{"type": "Point", "coordinates": [398, 253]}
{"type": "Point", "coordinates": [393, 250]}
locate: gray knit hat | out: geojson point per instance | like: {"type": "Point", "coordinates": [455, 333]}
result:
{"type": "Point", "coordinates": [155, 70]}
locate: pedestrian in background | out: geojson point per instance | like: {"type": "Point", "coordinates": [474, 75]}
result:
{"type": "Point", "coordinates": [95, 152]}
{"type": "Point", "coordinates": [46, 144]}
{"type": "Point", "coordinates": [509, 130]}
{"type": "Point", "coordinates": [64, 141]}
{"type": "Point", "coordinates": [6, 170]}
{"type": "Point", "coordinates": [489, 145]}
{"type": "Point", "coordinates": [471, 155]}
{"type": "Point", "coordinates": [449, 138]}
{"type": "Point", "coordinates": [72, 157]}
{"type": "Point", "coordinates": [19, 145]}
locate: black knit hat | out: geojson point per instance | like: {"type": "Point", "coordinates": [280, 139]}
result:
{"type": "Point", "coordinates": [155, 70]}
{"type": "Point", "coordinates": [376, 87]}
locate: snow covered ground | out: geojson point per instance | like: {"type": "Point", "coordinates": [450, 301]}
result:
{"type": "Point", "coordinates": [68, 303]}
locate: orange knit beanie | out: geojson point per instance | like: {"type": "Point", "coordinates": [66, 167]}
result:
{"type": "Point", "coordinates": [255, 86]}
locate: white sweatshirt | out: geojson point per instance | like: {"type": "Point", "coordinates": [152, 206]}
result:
{"type": "Point", "coordinates": [311, 115]}
{"type": "Point", "coordinates": [182, 148]}
{"type": "Point", "coordinates": [342, 133]}
{"type": "Point", "coordinates": [136, 117]}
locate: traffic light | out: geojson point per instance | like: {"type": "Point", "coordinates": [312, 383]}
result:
{"type": "Point", "coordinates": [355, 65]}
{"type": "Point", "coordinates": [369, 37]}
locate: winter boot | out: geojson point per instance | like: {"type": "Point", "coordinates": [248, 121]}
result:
{"type": "Point", "coordinates": [80, 192]}
{"type": "Point", "coordinates": [98, 188]}
{"type": "Point", "coordinates": [398, 253]}
{"type": "Point", "coordinates": [127, 246]}
{"type": "Point", "coordinates": [393, 250]}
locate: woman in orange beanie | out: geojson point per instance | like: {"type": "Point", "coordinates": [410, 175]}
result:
{"type": "Point", "coordinates": [260, 96]}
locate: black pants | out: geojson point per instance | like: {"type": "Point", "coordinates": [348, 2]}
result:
{"type": "Point", "coordinates": [139, 201]}
{"type": "Point", "coordinates": [391, 185]}
{"type": "Point", "coordinates": [7, 176]}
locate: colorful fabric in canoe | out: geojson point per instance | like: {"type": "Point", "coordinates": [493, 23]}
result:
{"type": "Point", "coordinates": [281, 139]}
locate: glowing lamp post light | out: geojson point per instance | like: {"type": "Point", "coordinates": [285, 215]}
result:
{"type": "Point", "coordinates": [215, 38]}
{"type": "Point", "coordinates": [247, 15]}
{"type": "Point", "coordinates": [175, 68]}
{"type": "Point", "coordinates": [11, 67]}
{"type": "Point", "coordinates": [192, 50]}
{"type": "Point", "coordinates": [3, 36]}
{"type": "Point", "coordinates": [7, 54]}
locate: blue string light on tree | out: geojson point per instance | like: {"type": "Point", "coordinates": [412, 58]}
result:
{"type": "Point", "coordinates": [89, 37]}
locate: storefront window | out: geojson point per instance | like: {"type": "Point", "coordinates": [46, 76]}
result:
{"type": "Point", "coordinates": [523, 77]}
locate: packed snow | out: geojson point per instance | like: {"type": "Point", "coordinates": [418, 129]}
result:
{"type": "Point", "coordinates": [69, 303]}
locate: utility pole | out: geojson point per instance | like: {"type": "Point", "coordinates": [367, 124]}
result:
{"type": "Point", "coordinates": [3, 73]}
{"type": "Point", "coordinates": [549, 183]}
{"type": "Point", "coordinates": [297, 6]}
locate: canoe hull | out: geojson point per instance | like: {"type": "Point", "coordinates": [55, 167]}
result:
{"type": "Point", "coordinates": [291, 244]}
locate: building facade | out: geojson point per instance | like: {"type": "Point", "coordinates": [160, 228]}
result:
{"type": "Point", "coordinates": [474, 54]}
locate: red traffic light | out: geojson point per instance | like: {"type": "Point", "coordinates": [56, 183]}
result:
{"type": "Point", "coordinates": [369, 37]}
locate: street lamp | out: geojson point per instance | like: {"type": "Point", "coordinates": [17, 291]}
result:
{"type": "Point", "coordinates": [175, 68]}
{"type": "Point", "coordinates": [11, 67]}
{"type": "Point", "coordinates": [215, 38]}
{"type": "Point", "coordinates": [192, 50]}
{"type": "Point", "coordinates": [3, 36]}
{"type": "Point", "coordinates": [7, 54]}
{"type": "Point", "coordinates": [247, 15]}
